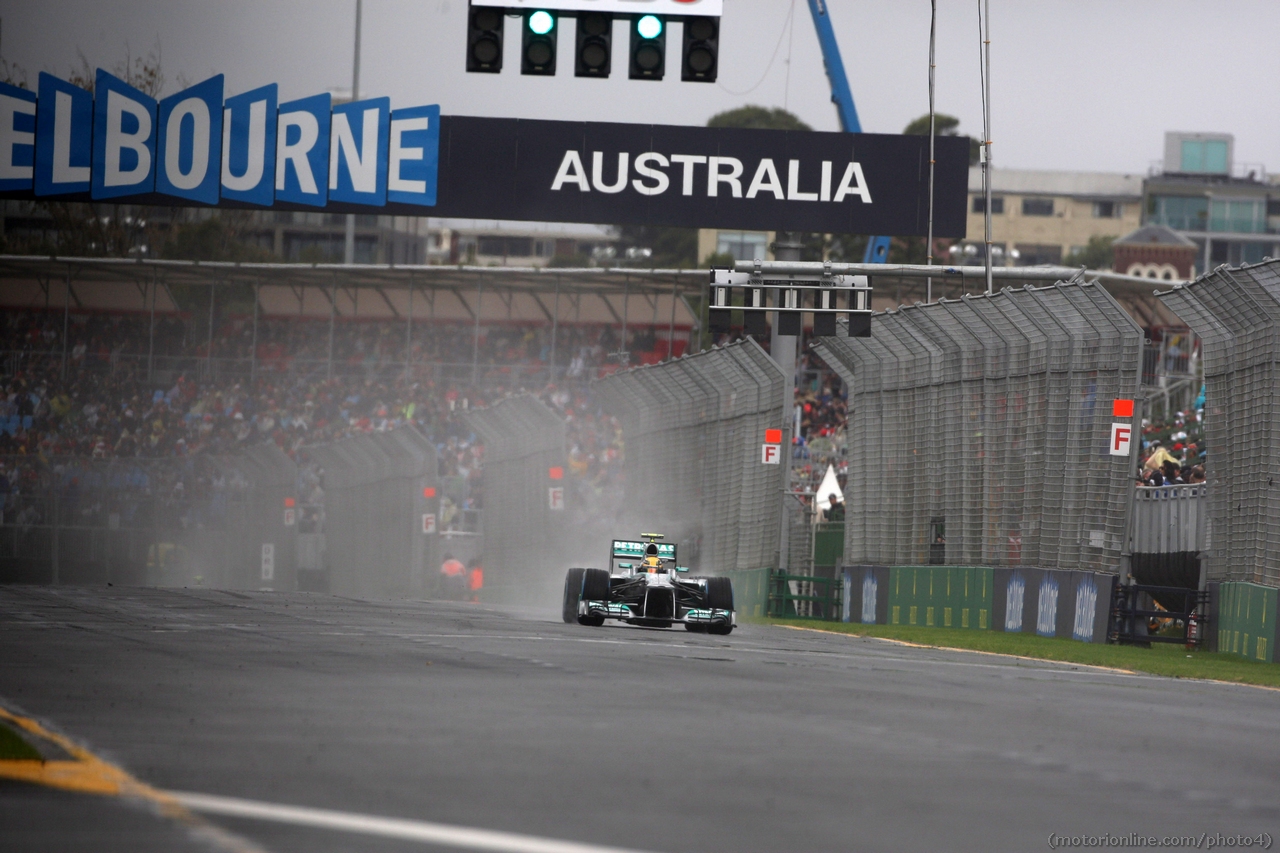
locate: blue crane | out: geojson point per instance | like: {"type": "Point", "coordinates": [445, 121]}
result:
{"type": "Point", "coordinates": [842, 96]}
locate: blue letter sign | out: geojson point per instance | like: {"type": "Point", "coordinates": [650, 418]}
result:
{"type": "Point", "coordinates": [190, 143]}
{"type": "Point", "coordinates": [358, 152]}
{"type": "Point", "coordinates": [124, 139]}
{"type": "Point", "coordinates": [302, 151]}
{"type": "Point", "coordinates": [413, 155]}
{"type": "Point", "coordinates": [249, 147]}
{"type": "Point", "coordinates": [17, 137]}
{"type": "Point", "coordinates": [64, 137]}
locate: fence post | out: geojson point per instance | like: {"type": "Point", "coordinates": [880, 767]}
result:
{"type": "Point", "coordinates": [53, 545]}
{"type": "Point", "coordinates": [151, 331]}
{"type": "Point", "coordinates": [213, 289]}
{"type": "Point", "coordinates": [66, 321]}
{"type": "Point", "coordinates": [253, 352]}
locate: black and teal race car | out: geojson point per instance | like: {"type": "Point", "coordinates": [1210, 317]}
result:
{"type": "Point", "coordinates": [643, 586]}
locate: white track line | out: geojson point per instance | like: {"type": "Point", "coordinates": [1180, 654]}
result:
{"type": "Point", "coordinates": [408, 830]}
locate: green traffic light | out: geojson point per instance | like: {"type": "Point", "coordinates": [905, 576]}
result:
{"type": "Point", "coordinates": [541, 22]}
{"type": "Point", "coordinates": [649, 27]}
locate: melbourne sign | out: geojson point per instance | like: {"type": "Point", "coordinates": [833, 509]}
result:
{"type": "Point", "coordinates": [198, 147]}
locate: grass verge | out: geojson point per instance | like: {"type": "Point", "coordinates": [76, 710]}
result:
{"type": "Point", "coordinates": [1161, 659]}
{"type": "Point", "coordinates": [14, 748]}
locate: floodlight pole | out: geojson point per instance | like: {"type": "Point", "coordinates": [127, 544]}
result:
{"type": "Point", "coordinates": [349, 243]}
{"type": "Point", "coordinates": [986, 133]}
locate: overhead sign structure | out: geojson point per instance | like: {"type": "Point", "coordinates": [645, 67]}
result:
{"type": "Point", "coordinates": [65, 143]}
{"type": "Point", "coordinates": [626, 7]}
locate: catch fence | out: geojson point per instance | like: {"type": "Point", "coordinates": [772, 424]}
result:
{"type": "Point", "coordinates": [979, 427]}
{"type": "Point", "coordinates": [526, 495]}
{"type": "Point", "coordinates": [693, 429]}
{"type": "Point", "coordinates": [381, 508]}
{"type": "Point", "coordinates": [1236, 314]}
{"type": "Point", "coordinates": [216, 521]}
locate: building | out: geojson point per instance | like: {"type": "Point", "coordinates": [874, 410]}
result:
{"type": "Point", "coordinates": [1041, 217]}
{"type": "Point", "coordinates": [1230, 211]}
{"type": "Point", "coordinates": [1156, 251]}
{"type": "Point", "coordinates": [741, 245]}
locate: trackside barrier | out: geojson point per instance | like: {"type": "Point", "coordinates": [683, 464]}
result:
{"type": "Point", "coordinates": [982, 426]}
{"type": "Point", "coordinates": [788, 592]}
{"type": "Point", "coordinates": [1247, 615]}
{"type": "Point", "coordinates": [525, 510]}
{"type": "Point", "coordinates": [187, 521]}
{"type": "Point", "coordinates": [693, 429]}
{"type": "Point", "coordinates": [1236, 313]}
{"type": "Point", "coordinates": [376, 489]}
{"type": "Point", "coordinates": [1047, 602]}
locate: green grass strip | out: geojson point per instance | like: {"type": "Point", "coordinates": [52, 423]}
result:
{"type": "Point", "coordinates": [14, 748]}
{"type": "Point", "coordinates": [1161, 659]}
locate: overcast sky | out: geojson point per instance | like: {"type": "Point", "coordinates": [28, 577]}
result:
{"type": "Point", "coordinates": [1076, 84]}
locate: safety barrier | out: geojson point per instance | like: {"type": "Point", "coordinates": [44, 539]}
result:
{"type": "Point", "coordinates": [218, 521]}
{"type": "Point", "coordinates": [380, 510]}
{"type": "Point", "coordinates": [693, 429]}
{"type": "Point", "coordinates": [527, 499]}
{"type": "Point", "coordinates": [1236, 313]}
{"type": "Point", "coordinates": [1047, 602]}
{"type": "Point", "coordinates": [1247, 615]}
{"type": "Point", "coordinates": [980, 429]}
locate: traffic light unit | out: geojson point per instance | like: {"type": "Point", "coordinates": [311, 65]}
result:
{"type": "Point", "coordinates": [538, 43]}
{"type": "Point", "coordinates": [593, 44]}
{"type": "Point", "coordinates": [484, 39]}
{"type": "Point", "coordinates": [827, 298]}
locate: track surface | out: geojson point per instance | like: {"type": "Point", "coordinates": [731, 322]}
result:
{"type": "Point", "coordinates": [767, 740]}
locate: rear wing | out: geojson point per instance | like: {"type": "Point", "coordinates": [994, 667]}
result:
{"type": "Point", "coordinates": [626, 554]}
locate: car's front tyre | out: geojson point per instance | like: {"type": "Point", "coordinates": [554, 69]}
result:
{"type": "Point", "coordinates": [572, 594]}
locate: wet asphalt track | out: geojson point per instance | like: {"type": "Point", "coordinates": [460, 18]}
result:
{"type": "Point", "coordinates": [768, 740]}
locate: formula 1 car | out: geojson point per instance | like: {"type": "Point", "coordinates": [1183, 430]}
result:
{"type": "Point", "coordinates": [642, 587]}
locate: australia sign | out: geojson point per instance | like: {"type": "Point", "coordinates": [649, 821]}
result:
{"type": "Point", "coordinates": [200, 148]}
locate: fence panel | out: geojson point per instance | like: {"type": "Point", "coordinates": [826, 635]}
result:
{"type": "Point", "coordinates": [693, 429]}
{"type": "Point", "coordinates": [376, 491]}
{"type": "Point", "coordinates": [525, 507]}
{"type": "Point", "coordinates": [174, 521]}
{"type": "Point", "coordinates": [976, 433]}
{"type": "Point", "coordinates": [1236, 314]}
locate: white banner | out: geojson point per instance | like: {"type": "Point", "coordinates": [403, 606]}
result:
{"type": "Point", "coordinates": [711, 8]}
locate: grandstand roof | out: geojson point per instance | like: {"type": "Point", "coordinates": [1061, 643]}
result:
{"type": "Point", "coordinates": [372, 291]}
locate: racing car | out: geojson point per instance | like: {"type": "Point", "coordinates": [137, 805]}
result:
{"type": "Point", "coordinates": [642, 586]}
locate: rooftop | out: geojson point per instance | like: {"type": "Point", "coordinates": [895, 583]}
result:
{"type": "Point", "coordinates": [1048, 182]}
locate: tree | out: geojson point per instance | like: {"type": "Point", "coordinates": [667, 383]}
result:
{"type": "Point", "coordinates": [943, 125]}
{"type": "Point", "coordinates": [758, 117]}
{"type": "Point", "coordinates": [94, 229]}
{"type": "Point", "coordinates": [1099, 254]}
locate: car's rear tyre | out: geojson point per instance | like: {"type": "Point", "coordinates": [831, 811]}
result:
{"type": "Point", "coordinates": [595, 587]}
{"type": "Point", "coordinates": [572, 594]}
{"type": "Point", "coordinates": [720, 597]}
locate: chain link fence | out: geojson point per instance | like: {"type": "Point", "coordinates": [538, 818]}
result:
{"type": "Point", "coordinates": [215, 521]}
{"type": "Point", "coordinates": [978, 430]}
{"type": "Point", "coordinates": [380, 511]}
{"type": "Point", "coordinates": [693, 429]}
{"type": "Point", "coordinates": [525, 500]}
{"type": "Point", "coordinates": [1236, 313]}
